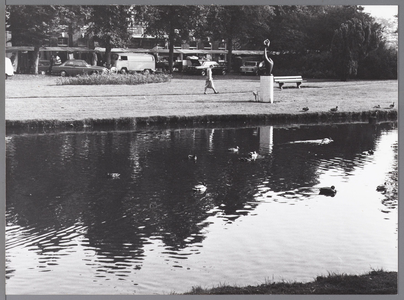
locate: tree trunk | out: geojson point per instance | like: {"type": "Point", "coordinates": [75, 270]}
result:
{"type": "Point", "coordinates": [35, 60]}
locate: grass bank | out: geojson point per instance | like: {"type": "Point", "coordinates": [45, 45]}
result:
{"type": "Point", "coordinates": [39, 99]}
{"type": "Point", "coordinates": [114, 79]}
{"type": "Point", "coordinates": [374, 282]}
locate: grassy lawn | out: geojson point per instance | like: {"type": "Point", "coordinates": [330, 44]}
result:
{"type": "Point", "coordinates": [30, 97]}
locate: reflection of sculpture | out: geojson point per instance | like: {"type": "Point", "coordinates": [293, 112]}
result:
{"type": "Point", "coordinates": [269, 64]}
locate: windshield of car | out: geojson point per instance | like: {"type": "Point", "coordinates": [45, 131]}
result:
{"type": "Point", "coordinates": [209, 63]}
{"type": "Point", "coordinates": [195, 62]}
{"type": "Point", "coordinates": [250, 63]}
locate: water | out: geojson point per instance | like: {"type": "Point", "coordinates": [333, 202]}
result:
{"type": "Point", "coordinates": [72, 230]}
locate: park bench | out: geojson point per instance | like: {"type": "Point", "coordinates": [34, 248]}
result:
{"type": "Point", "coordinates": [281, 80]}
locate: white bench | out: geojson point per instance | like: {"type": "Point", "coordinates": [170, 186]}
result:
{"type": "Point", "coordinates": [281, 80]}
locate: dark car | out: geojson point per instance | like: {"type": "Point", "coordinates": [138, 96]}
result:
{"type": "Point", "coordinates": [75, 67]}
{"type": "Point", "coordinates": [201, 68]}
{"type": "Point", "coordinates": [253, 67]}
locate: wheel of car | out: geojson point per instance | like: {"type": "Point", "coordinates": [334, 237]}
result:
{"type": "Point", "coordinates": [63, 73]}
{"type": "Point", "coordinates": [124, 71]}
{"type": "Point", "coordinates": [203, 73]}
{"type": "Point", "coordinates": [94, 73]}
{"type": "Point", "coordinates": [146, 72]}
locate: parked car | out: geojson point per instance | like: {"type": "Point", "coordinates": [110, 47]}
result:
{"type": "Point", "coordinates": [201, 69]}
{"type": "Point", "coordinates": [253, 67]}
{"type": "Point", "coordinates": [43, 65]}
{"type": "Point", "coordinates": [74, 67]}
{"type": "Point", "coordinates": [9, 68]}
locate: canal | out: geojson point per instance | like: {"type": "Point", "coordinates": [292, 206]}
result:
{"type": "Point", "coordinates": [73, 229]}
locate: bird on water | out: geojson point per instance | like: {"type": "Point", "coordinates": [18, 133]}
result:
{"type": "Point", "coordinates": [113, 175]}
{"type": "Point", "coordinates": [328, 191]}
{"type": "Point", "coordinates": [201, 187]}
{"type": "Point", "coordinates": [234, 149]}
{"type": "Point", "coordinates": [334, 109]}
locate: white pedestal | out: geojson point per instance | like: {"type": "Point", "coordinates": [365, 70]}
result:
{"type": "Point", "coordinates": [267, 88]}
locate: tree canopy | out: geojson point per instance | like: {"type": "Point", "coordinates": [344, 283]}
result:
{"type": "Point", "coordinates": [109, 26]}
{"type": "Point", "coordinates": [346, 32]}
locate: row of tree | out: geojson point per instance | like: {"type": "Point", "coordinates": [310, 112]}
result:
{"type": "Point", "coordinates": [342, 36]}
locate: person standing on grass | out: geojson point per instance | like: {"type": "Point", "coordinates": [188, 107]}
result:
{"type": "Point", "coordinates": [209, 80]}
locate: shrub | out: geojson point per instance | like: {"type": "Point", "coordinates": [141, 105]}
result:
{"type": "Point", "coordinates": [115, 79]}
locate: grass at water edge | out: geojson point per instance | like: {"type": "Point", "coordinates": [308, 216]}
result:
{"type": "Point", "coordinates": [374, 282]}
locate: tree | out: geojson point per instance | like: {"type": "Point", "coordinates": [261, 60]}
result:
{"type": "Point", "coordinates": [109, 26]}
{"type": "Point", "coordinates": [226, 22]}
{"type": "Point", "coordinates": [174, 21]}
{"type": "Point", "coordinates": [72, 17]}
{"type": "Point", "coordinates": [352, 42]}
{"type": "Point", "coordinates": [31, 25]}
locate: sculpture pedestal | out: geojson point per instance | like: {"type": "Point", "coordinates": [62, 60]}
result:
{"type": "Point", "coordinates": [267, 88]}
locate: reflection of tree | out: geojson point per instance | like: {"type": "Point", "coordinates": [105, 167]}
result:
{"type": "Point", "coordinates": [55, 182]}
{"type": "Point", "coordinates": [391, 194]}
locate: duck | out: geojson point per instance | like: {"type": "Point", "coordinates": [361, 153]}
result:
{"type": "Point", "coordinates": [253, 155]}
{"type": "Point", "coordinates": [192, 156]}
{"type": "Point", "coordinates": [328, 191]}
{"type": "Point", "coordinates": [113, 175]}
{"type": "Point", "coordinates": [391, 105]}
{"type": "Point", "coordinates": [234, 149]}
{"type": "Point", "coordinates": [326, 141]}
{"type": "Point", "coordinates": [334, 109]}
{"type": "Point", "coordinates": [201, 187]}
{"type": "Point", "coordinates": [305, 108]}
{"type": "Point", "coordinates": [376, 106]}
{"type": "Point", "coordinates": [381, 188]}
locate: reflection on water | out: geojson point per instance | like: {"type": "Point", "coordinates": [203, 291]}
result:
{"type": "Point", "coordinates": [73, 229]}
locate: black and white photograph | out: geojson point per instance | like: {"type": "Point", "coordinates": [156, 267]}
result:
{"type": "Point", "coordinates": [195, 149]}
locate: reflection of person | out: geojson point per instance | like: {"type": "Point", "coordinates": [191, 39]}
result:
{"type": "Point", "coordinates": [52, 62]}
{"type": "Point", "coordinates": [269, 64]}
{"type": "Point", "coordinates": [209, 80]}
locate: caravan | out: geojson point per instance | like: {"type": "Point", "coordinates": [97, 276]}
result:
{"type": "Point", "coordinates": [127, 62]}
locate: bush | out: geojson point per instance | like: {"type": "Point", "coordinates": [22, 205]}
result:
{"type": "Point", "coordinates": [115, 79]}
{"type": "Point", "coordinates": [309, 65]}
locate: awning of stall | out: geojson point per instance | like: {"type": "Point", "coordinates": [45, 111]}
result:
{"type": "Point", "coordinates": [66, 49]}
{"type": "Point", "coordinates": [164, 51]}
{"type": "Point", "coordinates": [51, 49]}
{"type": "Point", "coordinates": [248, 52]}
{"type": "Point", "coordinates": [19, 48]}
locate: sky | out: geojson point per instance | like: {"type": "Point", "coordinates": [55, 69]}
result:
{"type": "Point", "coordinates": [383, 11]}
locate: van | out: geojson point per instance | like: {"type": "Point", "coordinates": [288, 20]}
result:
{"type": "Point", "coordinates": [9, 68]}
{"type": "Point", "coordinates": [127, 62]}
